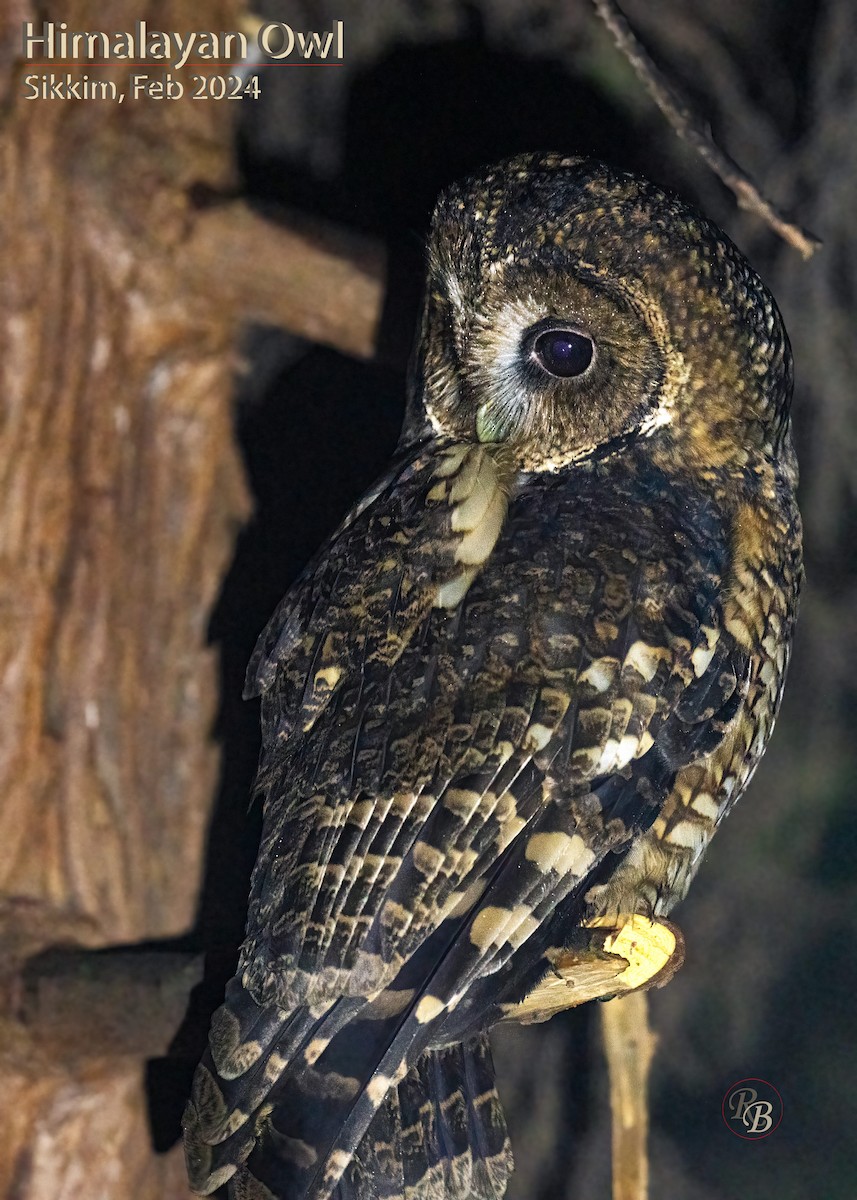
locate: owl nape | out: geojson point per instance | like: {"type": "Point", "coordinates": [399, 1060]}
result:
{"type": "Point", "coordinates": [510, 700]}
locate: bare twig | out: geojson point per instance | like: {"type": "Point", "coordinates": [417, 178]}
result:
{"type": "Point", "coordinates": [630, 1045]}
{"type": "Point", "coordinates": [678, 111]}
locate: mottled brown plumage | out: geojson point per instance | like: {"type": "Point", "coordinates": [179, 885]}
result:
{"type": "Point", "coordinates": [518, 688]}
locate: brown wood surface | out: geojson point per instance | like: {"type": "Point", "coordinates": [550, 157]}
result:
{"type": "Point", "coordinates": [121, 495]}
{"type": "Point", "coordinates": [630, 1045]}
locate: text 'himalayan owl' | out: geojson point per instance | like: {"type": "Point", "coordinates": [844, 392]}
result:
{"type": "Point", "coordinates": [516, 691]}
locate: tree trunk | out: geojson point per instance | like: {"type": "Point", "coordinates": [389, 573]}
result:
{"type": "Point", "coordinates": [122, 494]}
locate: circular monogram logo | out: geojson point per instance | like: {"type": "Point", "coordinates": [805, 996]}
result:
{"type": "Point", "coordinates": [752, 1109]}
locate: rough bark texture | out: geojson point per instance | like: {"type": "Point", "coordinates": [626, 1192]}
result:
{"type": "Point", "coordinates": [80, 1129]}
{"type": "Point", "coordinates": [121, 496]}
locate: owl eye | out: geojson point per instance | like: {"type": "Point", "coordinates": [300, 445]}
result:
{"type": "Point", "coordinates": [563, 352]}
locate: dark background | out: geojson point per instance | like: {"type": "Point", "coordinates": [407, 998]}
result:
{"type": "Point", "coordinates": [428, 92]}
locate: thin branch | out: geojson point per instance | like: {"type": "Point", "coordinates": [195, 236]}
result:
{"type": "Point", "coordinates": [679, 112]}
{"type": "Point", "coordinates": [630, 1045]}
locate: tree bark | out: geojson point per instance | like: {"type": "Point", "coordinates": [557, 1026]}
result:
{"type": "Point", "coordinates": [122, 493]}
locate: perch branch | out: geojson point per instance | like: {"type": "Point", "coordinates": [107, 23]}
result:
{"type": "Point", "coordinates": [621, 959]}
{"type": "Point", "coordinates": [630, 1045]}
{"type": "Point", "coordinates": [606, 960]}
{"type": "Point", "coordinates": [679, 112]}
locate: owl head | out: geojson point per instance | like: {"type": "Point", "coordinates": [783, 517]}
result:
{"type": "Point", "coordinates": [572, 309]}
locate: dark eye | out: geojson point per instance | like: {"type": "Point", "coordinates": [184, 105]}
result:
{"type": "Point", "coordinates": [563, 353]}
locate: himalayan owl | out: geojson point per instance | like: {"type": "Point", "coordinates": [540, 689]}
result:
{"type": "Point", "coordinates": [518, 688]}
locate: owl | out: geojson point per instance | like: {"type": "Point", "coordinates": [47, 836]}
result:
{"type": "Point", "coordinates": [517, 690]}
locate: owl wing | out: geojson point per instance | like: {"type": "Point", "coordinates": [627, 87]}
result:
{"type": "Point", "coordinates": [456, 725]}
{"type": "Point", "coordinates": [455, 746]}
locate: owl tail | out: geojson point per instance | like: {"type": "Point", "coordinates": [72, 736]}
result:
{"type": "Point", "coordinates": [293, 1107]}
{"type": "Point", "coordinates": [440, 1133]}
